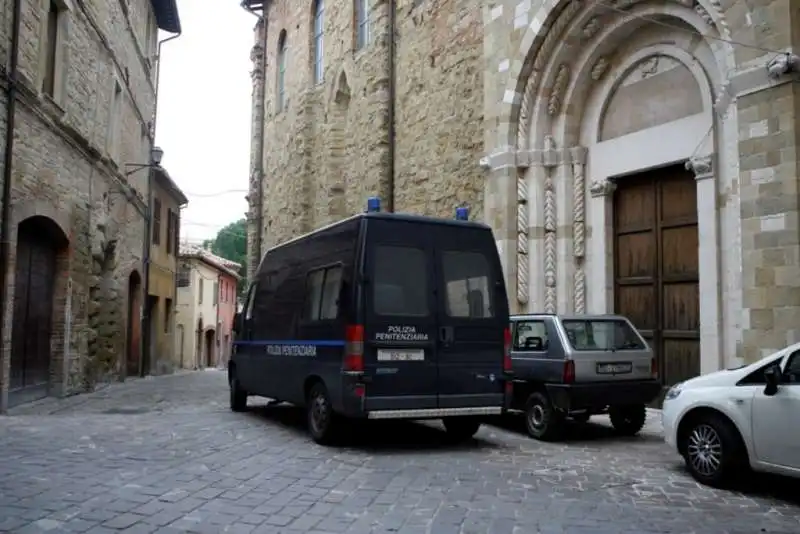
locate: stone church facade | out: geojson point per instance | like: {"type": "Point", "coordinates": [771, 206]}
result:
{"type": "Point", "coordinates": [635, 156]}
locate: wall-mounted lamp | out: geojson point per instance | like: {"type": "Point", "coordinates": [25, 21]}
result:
{"type": "Point", "coordinates": [156, 154]}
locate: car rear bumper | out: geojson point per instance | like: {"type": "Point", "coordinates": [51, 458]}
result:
{"type": "Point", "coordinates": [598, 395]}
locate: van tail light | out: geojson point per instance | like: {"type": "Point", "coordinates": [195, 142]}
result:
{"type": "Point", "coordinates": [354, 349]}
{"type": "Point", "coordinates": [654, 368]}
{"type": "Point", "coordinates": [507, 350]}
{"type": "Point", "coordinates": [569, 372]}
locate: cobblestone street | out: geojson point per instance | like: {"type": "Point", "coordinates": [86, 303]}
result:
{"type": "Point", "coordinates": [166, 455]}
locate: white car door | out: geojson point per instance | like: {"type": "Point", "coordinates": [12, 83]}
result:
{"type": "Point", "coordinates": [776, 419]}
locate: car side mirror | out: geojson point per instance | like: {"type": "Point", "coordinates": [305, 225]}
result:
{"type": "Point", "coordinates": [772, 376]}
{"type": "Point", "coordinates": [237, 318]}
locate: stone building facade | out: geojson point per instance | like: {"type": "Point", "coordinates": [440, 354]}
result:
{"type": "Point", "coordinates": [636, 156]}
{"type": "Point", "coordinates": [85, 102]}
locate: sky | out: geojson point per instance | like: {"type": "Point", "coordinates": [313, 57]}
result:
{"type": "Point", "coordinates": [203, 122]}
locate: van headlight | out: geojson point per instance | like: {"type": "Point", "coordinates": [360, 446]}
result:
{"type": "Point", "coordinates": [673, 392]}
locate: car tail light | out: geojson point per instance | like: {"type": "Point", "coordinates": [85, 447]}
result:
{"type": "Point", "coordinates": [354, 349]}
{"type": "Point", "coordinates": [569, 372]}
{"type": "Point", "coordinates": [507, 350]}
{"type": "Point", "coordinates": [654, 367]}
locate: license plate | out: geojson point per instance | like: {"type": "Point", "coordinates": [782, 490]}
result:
{"type": "Point", "coordinates": [405, 355]}
{"type": "Point", "coordinates": [614, 368]}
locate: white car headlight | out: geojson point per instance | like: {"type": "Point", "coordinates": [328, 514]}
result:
{"type": "Point", "coordinates": [673, 392]}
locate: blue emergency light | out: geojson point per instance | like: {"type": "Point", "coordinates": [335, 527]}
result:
{"type": "Point", "coordinates": [462, 214]}
{"type": "Point", "coordinates": [373, 205]}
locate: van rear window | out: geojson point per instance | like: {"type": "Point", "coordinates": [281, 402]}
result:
{"type": "Point", "coordinates": [400, 281]}
{"type": "Point", "coordinates": [467, 277]}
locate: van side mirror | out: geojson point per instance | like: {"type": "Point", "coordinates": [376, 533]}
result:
{"type": "Point", "coordinates": [772, 376]}
{"type": "Point", "coordinates": [237, 318]}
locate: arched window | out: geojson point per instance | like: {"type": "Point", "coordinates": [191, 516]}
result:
{"type": "Point", "coordinates": [319, 33]}
{"type": "Point", "coordinates": [281, 89]}
{"type": "Point", "coordinates": [362, 23]}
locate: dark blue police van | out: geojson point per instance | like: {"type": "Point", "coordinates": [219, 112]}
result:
{"type": "Point", "coordinates": [378, 316]}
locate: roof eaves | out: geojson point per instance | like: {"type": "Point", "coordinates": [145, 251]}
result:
{"type": "Point", "coordinates": [167, 16]}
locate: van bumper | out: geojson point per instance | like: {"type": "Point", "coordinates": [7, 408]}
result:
{"type": "Point", "coordinates": [436, 413]}
{"type": "Point", "coordinates": [598, 395]}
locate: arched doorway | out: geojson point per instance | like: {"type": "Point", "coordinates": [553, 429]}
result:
{"type": "Point", "coordinates": [39, 242]}
{"type": "Point", "coordinates": [134, 324]}
{"type": "Point", "coordinates": [198, 345]}
{"type": "Point", "coordinates": [209, 348]}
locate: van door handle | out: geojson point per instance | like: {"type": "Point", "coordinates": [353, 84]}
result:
{"type": "Point", "coordinates": [446, 334]}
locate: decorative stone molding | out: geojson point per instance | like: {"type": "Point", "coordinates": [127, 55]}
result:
{"type": "Point", "coordinates": [599, 69]}
{"type": "Point", "coordinates": [700, 10]}
{"type": "Point", "coordinates": [602, 188]}
{"type": "Point", "coordinates": [522, 239]}
{"type": "Point", "coordinates": [578, 156]}
{"type": "Point", "coordinates": [591, 28]}
{"type": "Point", "coordinates": [559, 86]}
{"type": "Point", "coordinates": [579, 287]}
{"type": "Point", "coordinates": [550, 227]}
{"type": "Point", "coordinates": [701, 166]}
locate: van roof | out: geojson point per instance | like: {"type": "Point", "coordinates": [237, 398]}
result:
{"type": "Point", "coordinates": [407, 217]}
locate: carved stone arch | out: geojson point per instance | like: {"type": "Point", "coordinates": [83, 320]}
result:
{"type": "Point", "coordinates": [546, 30]}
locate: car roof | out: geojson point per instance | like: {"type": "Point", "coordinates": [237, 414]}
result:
{"type": "Point", "coordinates": [568, 317]}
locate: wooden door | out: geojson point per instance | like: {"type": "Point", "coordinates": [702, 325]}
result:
{"type": "Point", "coordinates": [33, 309]}
{"type": "Point", "coordinates": [134, 325]}
{"type": "Point", "coordinates": [656, 266]}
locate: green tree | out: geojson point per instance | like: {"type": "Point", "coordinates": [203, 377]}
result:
{"type": "Point", "coordinates": [231, 244]}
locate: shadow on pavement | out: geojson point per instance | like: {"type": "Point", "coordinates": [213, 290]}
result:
{"type": "Point", "coordinates": [577, 433]}
{"type": "Point", "coordinates": [759, 486]}
{"type": "Point", "coordinates": [373, 436]}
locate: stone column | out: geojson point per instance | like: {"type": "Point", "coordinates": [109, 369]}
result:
{"type": "Point", "coordinates": [601, 251]}
{"type": "Point", "coordinates": [578, 159]}
{"type": "Point", "coordinates": [550, 161]}
{"type": "Point", "coordinates": [709, 263]}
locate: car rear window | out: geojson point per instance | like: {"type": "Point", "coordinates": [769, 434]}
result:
{"type": "Point", "coordinates": [601, 334]}
{"type": "Point", "coordinates": [400, 281]}
{"type": "Point", "coordinates": [467, 277]}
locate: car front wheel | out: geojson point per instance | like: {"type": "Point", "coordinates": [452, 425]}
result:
{"type": "Point", "coordinates": [713, 451]}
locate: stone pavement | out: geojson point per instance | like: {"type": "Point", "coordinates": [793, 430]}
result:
{"type": "Point", "coordinates": [165, 455]}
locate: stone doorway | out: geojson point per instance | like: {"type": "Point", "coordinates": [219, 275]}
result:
{"type": "Point", "coordinates": [133, 355]}
{"type": "Point", "coordinates": [656, 282]}
{"type": "Point", "coordinates": [39, 242]}
{"type": "Point", "coordinates": [209, 348]}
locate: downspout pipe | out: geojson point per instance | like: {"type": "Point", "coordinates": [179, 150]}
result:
{"type": "Point", "coordinates": [5, 229]}
{"type": "Point", "coordinates": [392, 100]}
{"type": "Point", "coordinates": [148, 224]}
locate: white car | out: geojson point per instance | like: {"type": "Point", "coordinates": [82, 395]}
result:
{"type": "Point", "coordinates": [724, 422]}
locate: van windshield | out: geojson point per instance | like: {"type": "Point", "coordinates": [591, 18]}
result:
{"type": "Point", "coordinates": [601, 334]}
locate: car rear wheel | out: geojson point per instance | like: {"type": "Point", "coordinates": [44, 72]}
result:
{"type": "Point", "coordinates": [322, 421]}
{"type": "Point", "coordinates": [238, 396]}
{"type": "Point", "coordinates": [542, 421]}
{"type": "Point", "coordinates": [713, 451]}
{"type": "Point", "coordinates": [628, 420]}
{"type": "Point", "coordinates": [461, 428]}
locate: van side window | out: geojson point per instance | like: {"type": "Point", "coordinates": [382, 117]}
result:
{"type": "Point", "coordinates": [323, 287]}
{"type": "Point", "coordinates": [467, 278]}
{"type": "Point", "coordinates": [248, 311]}
{"type": "Point", "coordinates": [400, 281]}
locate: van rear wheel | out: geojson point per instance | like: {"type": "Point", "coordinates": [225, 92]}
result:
{"type": "Point", "coordinates": [461, 428]}
{"type": "Point", "coordinates": [238, 396]}
{"type": "Point", "coordinates": [322, 422]}
{"type": "Point", "coordinates": [542, 421]}
{"type": "Point", "coordinates": [628, 420]}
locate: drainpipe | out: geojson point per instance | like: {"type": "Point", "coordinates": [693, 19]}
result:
{"type": "Point", "coordinates": [392, 99]}
{"type": "Point", "coordinates": [148, 224]}
{"type": "Point", "coordinates": [5, 229]}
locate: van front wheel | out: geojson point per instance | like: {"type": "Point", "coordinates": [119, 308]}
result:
{"type": "Point", "coordinates": [238, 397]}
{"type": "Point", "coordinates": [461, 428]}
{"type": "Point", "coordinates": [322, 423]}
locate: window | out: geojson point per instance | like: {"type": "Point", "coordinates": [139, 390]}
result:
{"type": "Point", "coordinates": [51, 49]}
{"type": "Point", "coordinates": [170, 230]}
{"type": "Point", "coordinates": [323, 287]}
{"type": "Point", "coordinates": [791, 374]}
{"type": "Point", "coordinates": [114, 122]}
{"type": "Point", "coordinates": [530, 336]}
{"type": "Point", "coordinates": [248, 311]}
{"type": "Point", "coordinates": [467, 278]}
{"type": "Point", "coordinates": [282, 71]}
{"type": "Point", "coordinates": [156, 221]}
{"type": "Point", "coordinates": [319, 31]}
{"type": "Point", "coordinates": [200, 290]}
{"type": "Point", "coordinates": [176, 222]}
{"type": "Point", "coordinates": [184, 275]}
{"type": "Point", "coordinates": [362, 23]}
{"type": "Point", "coordinates": [601, 334]}
{"type": "Point", "coordinates": [216, 293]}
{"type": "Point", "coordinates": [167, 314]}
{"type": "Point", "coordinates": [401, 281]}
